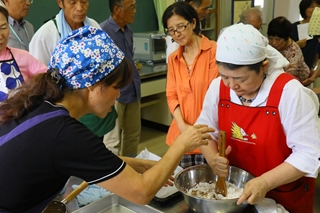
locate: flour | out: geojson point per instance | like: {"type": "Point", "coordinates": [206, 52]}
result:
{"type": "Point", "coordinates": [206, 190]}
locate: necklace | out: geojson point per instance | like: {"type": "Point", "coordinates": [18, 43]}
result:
{"type": "Point", "coordinates": [242, 99]}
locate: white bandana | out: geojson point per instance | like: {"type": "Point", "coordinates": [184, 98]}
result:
{"type": "Point", "coordinates": [242, 44]}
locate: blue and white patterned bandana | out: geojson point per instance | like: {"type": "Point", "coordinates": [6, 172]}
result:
{"type": "Point", "coordinates": [85, 57]}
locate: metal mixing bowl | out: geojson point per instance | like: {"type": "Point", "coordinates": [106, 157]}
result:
{"type": "Point", "coordinates": [188, 177]}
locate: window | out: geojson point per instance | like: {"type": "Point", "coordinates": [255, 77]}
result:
{"type": "Point", "coordinates": [259, 3]}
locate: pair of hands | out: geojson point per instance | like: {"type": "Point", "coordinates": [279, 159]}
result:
{"type": "Point", "coordinates": [254, 190]}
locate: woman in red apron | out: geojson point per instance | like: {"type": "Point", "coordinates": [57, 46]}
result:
{"type": "Point", "coordinates": [270, 119]}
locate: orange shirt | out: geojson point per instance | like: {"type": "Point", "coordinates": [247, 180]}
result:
{"type": "Point", "coordinates": [188, 91]}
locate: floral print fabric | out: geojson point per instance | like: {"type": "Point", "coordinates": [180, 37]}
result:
{"type": "Point", "coordinates": [297, 66]}
{"type": "Point", "coordinates": [85, 56]}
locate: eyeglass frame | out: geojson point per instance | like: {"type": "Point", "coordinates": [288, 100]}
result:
{"type": "Point", "coordinates": [25, 1]}
{"type": "Point", "coordinates": [173, 32]}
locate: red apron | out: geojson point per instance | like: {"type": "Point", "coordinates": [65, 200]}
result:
{"type": "Point", "coordinates": [259, 144]}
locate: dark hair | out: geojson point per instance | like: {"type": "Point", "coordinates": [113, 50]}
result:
{"type": "Point", "coordinates": [304, 5]}
{"type": "Point", "coordinates": [197, 3]}
{"type": "Point", "coordinates": [43, 87]}
{"type": "Point", "coordinates": [280, 27]}
{"type": "Point", "coordinates": [255, 67]}
{"type": "Point", "coordinates": [4, 11]}
{"type": "Point", "coordinates": [113, 3]}
{"type": "Point", "coordinates": [181, 9]}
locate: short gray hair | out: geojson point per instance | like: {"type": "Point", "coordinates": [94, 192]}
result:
{"type": "Point", "coordinates": [244, 17]}
{"type": "Point", "coordinates": [197, 3]}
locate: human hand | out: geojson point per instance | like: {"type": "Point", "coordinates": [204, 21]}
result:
{"type": "Point", "coordinates": [308, 81]}
{"type": "Point", "coordinates": [302, 43]}
{"type": "Point", "coordinates": [254, 191]}
{"type": "Point", "coordinates": [195, 136]}
{"type": "Point", "coordinates": [220, 164]}
{"type": "Point", "coordinates": [169, 181]}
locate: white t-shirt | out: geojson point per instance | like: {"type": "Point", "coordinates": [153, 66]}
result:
{"type": "Point", "coordinates": [46, 39]}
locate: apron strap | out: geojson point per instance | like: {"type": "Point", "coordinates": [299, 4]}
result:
{"type": "Point", "coordinates": [277, 88]}
{"type": "Point", "coordinates": [55, 23]}
{"type": "Point", "coordinates": [30, 123]}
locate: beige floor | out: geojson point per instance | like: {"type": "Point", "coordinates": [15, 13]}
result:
{"type": "Point", "coordinates": [154, 141]}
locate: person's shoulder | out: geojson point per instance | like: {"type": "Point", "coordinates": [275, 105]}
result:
{"type": "Point", "coordinates": [106, 24]}
{"type": "Point", "coordinates": [94, 23]}
{"type": "Point", "coordinates": [295, 46]}
{"type": "Point", "coordinates": [46, 29]}
{"type": "Point", "coordinates": [28, 24]}
{"type": "Point", "coordinates": [17, 51]}
{"type": "Point", "coordinates": [176, 53]}
{"type": "Point", "coordinates": [206, 43]}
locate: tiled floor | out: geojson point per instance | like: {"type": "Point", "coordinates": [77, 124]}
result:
{"type": "Point", "coordinates": [154, 141]}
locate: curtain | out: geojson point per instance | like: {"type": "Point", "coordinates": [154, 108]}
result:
{"type": "Point", "coordinates": [160, 6]}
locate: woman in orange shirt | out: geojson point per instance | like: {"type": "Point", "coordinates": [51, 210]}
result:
{"type": "Point", "coordinates": [191, 68]}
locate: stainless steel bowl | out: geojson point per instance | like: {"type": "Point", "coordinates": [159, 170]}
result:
{"type": "Point", "coordinates": [188, 177]}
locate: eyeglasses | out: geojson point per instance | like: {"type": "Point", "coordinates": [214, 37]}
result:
{"type": "Point", "coordinates": [25, 1]}
{"type": "Point", "coordinates": [179, 29]}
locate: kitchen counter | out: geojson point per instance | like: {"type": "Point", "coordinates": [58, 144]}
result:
{"type": "Point", "coordinates": [181, 207]}
{"type": "Point", "coordinates": [114, 203]}
{"type": "Point", "coordinates": [153, 70]}
{"type": "Point", "coordinates": [153, 93]}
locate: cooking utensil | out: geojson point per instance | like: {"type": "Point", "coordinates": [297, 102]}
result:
{"type": "Point", "coordinates": [221, 186]}
{"type": "Point", "coordinates": [60, 206]}
{"type": "Point", "coordinates": [189, 177]}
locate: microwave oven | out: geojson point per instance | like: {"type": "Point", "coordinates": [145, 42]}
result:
{"type": "Point", "coordinates": [149, 46]}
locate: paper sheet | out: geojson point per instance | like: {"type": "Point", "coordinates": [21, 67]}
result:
{"type": "Point", "coordinates": [164, 191]}
{"type": "Point", "coordinates": [303, 31]}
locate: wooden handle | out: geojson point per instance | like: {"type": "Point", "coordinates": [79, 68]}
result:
{"type": "Point", "coordinates": [75, 192]}
{"type": "Point", "coordinates": [222, 143]}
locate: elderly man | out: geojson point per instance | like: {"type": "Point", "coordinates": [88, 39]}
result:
{"type": "Point", "coordinates": [21, 31]}
{"type": "Point", "coordinates": [252, 16]}
{"type": "Point", "coordinates": [72, 16]}
{"type": "Point", "coordinates": [125, 137]}
{"type": "Point", "coordinates": [202, 8]}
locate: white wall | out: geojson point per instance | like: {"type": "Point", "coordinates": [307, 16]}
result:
{"type": "Point", "coordinates": [226, 10]}
{"type": "Point", "coordinates": [288, 9]}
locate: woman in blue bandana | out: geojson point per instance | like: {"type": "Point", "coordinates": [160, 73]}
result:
{"type": "Point", "coordinates": [42, 144]}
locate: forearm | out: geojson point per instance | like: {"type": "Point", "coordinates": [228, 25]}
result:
{"type": "Point", "coordinates": [139, 165]}
{"type": "Point", "coordinates": [282, 174]}
{"type": "Point", "coordinates": [209, 151]}
{"type": "Point", "coordinates": [143, 187]}
{"type": "Point", "coordinates": [316, 73]}
{"type": "Point", "coordinates": [157, 173]}
{"type": "Point", "coordinates": [178, 117]}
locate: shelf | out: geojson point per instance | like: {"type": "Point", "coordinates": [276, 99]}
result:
{"type": "Point", "coordinates": [210, 23]}
{"type": "Point", "coordinates": [207, 29]}
{"type": "Point", "coordinates": [149, 100]}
